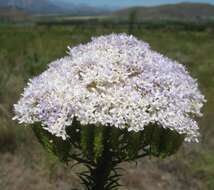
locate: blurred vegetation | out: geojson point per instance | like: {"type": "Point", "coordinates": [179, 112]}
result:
{"type": "Point", "coordinates": [25, 51]}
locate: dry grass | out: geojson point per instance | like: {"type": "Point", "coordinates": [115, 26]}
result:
{"type": "Point", "coordinates": [25, 52]}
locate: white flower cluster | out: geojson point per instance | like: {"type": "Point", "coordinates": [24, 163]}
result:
{"type": "Point", "coordinates": [113, 80]}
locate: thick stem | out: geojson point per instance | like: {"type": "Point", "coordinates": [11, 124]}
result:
{"type": "Point", "coordinates": [102, 172]}
{"type": "Point", "coordinates": [100, 176]}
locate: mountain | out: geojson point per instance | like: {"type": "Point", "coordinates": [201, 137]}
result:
{"type": "Point", "coordinates": [31, 6]}
{"type": "Point", "coordinates": [181, 11]}
{"type": "Point", "coordinates": [9, 13]}
{"type": "Point", "coordinates": [44, 7]}
{"type": "Point", "coordinates": [81, 9]}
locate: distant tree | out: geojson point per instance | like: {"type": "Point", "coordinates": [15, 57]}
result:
{"type": "Point", "coordinates": [132, 20]}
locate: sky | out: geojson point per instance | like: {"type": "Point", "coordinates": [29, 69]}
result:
{"type": "Point", "coordinates": [124, 3]}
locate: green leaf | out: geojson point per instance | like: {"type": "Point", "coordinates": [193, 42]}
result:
{"type": "Point", "coordinates": [56, 146]}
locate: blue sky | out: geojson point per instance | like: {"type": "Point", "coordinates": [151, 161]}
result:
{"type": "Point", "coordinates": [123, 3]}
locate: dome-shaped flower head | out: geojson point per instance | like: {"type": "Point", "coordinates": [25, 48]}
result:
{"type": "Point", "coordinates": [114, 80]}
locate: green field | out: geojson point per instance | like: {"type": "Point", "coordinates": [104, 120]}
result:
{"type": "Point", "coordinates": [25, 52]}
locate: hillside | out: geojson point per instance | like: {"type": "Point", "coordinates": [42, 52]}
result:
{"type": "Point", "coordinates": [187, 11]}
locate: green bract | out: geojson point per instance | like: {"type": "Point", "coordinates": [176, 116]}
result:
{"type": "Point", "coordinates": [101, 148]}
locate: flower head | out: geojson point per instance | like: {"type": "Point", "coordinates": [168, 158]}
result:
{"type": "Point", "coordinates": [113, 80]}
